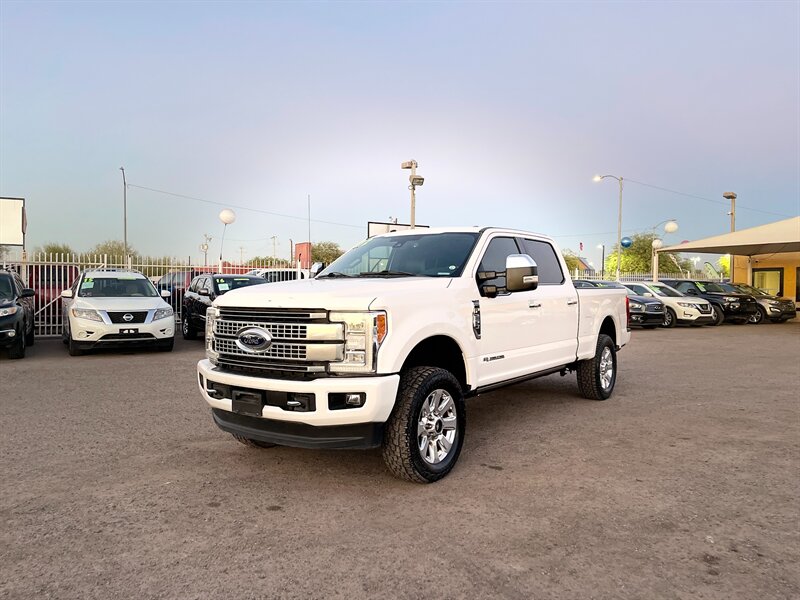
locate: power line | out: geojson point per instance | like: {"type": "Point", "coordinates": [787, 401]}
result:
{"type": "Point", "coordinates": [696, 197]}
{"type": "Point", "coordinates": [228, 205]}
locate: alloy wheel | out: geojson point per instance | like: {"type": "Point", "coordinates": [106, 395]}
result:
{"type": "Point", "coordinates": [436, 427]}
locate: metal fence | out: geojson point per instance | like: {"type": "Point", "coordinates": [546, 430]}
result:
{"type": "Point", "coordinates": [639, 275]}
{"type": "Point", "coordinates": [50, 274]}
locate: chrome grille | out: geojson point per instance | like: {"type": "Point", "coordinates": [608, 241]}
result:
{"type": "Point", "coordinates": [704, 308]}
{"type": "Point", "coordinates": [654, 308]}
{"type": "Point", "coordinates": [280, 351]}
{"type": "Point", "coordinates": [282, 331]}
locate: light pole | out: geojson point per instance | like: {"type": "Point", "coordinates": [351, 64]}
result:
{"type": "Point", "coordinates": [619, 218]}
{"type": "Point", "coordinates": [602, 260]}
{"type": "Point", "coordinates": [124, 212]}
{"type": "Point", "coordinates": [670, 226]}
{"type": "Point", "coordinates": [274, 239]}
{"type": "Point", "coordinates": [227, 216]}
{"type": "Point", "coordinates": [732, 197]}
{"type": "Point", "coordinates": [414, 180]}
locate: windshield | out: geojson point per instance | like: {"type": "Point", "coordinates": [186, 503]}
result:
{"type": "Point", "coordinates": [709, 287]}
{"type": "Point", "coordinates": [6, 288]}
{"type": "Point", "coordinates": [665, 290]}
{"type": "Point", "coordinates": [116, 287]}
{"type": "Point", "coordinates": [612, 284]}
{"type": "Point", "coordinates": [424, 255]}
{"type": "Point", "coordinates": [731, 289]}
{"type": "Point", "coordinates": [749, 289]}
{"type": "Point", "coordinates": [226, 284]}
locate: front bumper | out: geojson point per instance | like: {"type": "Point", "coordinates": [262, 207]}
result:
{"type": "Point", "coordinates": [10, 328]}
{"type": "Point", "coordinates": [647, 318]}
{"type": "Point", "coordinates": [735, 311]}
{"type": "Point", "coordinates": [317, 425]}
{"type": "Point", "coordinates": [94, 334]}
{"type": "Point", "coordinates": [783, 311]}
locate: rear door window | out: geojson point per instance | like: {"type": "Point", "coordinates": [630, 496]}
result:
{"type": "Point", "coordinates": [549, 267]}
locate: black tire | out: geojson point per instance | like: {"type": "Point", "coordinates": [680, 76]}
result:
{"type": "Point", "coordinates": [17, 349]}
{"type": "Point", "coordinates": [759, 317]}
{"type": "Point", "coordinates": [589, 375]}
{"type": "Point", "coordinates": [189, 332]}
{"type": "Point", "coordinates": [717, 315]}
{"type": "Point", "coordinates": [168, 346]}
{"type": "Point", "coordinates": [73, 348]}
{"type": "Point", "coordinates": [401, 452]}
{"type": "Point", "coordinates": [252, 443]}
{"type": "Point", "coordinates": [30, 337]}
{"type": "Point", "coordinates": [670, 318]}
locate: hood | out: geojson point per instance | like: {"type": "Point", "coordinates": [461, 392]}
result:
{"type": "Point", "coordinates": [731, 294]}
{"type": "Point", "coordinates": [333, 294]}
{"type": "Point", "coordinates": [115, 304]}
{"type": "Point", "coordinates": [645, 299]}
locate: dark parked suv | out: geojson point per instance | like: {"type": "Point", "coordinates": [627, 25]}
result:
{"type": "Point", "coordinates": [16, 314]}
{"type": "Point", "coordinates": [200, 295]}
{"type": "Point", "coordinates": [774, 308]}
{"type": "Point", "coordinates": [733, 306]}
{"type": "Point", "coordinates": [645, 312]}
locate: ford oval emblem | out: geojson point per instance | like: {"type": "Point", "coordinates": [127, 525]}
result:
{"type": "Point", "coordinates": [254, 340]}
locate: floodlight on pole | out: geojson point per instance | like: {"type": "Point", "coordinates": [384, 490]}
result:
{"type": "Point", "coordinates": [670, 226]}
{"type": "Point", "coordinates": [227, 216]}
{"type": "Point", "coordinates": [415, 180]}
{"type": "Point", "coordinates": [619, 217]}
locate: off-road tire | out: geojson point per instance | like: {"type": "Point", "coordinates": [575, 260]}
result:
{"type": "Point", "coordinates": [670, 318]}
{"type": "Point", "coordinates": [589, 372]}
{"type": "Point", "coordinates": [251, 442]}
{"type": "Point", "coordinates": [759, 317]}
{"type": "Point", "coordinates": [17, 349]}
{"type": "Point", "coordinates": [718, 315]}
{"type": "Point", "coordinates": [400, 451]}
{"type": "Point", "coordinates": [189, 332]}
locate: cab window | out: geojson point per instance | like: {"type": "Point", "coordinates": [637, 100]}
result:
{"type": "Point", "coordinates": [494, 259]}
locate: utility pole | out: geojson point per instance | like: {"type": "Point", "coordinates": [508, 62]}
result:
{"type": "Point", "coordinates": [274, 239]}
{"type": "Point", "coordinates": [732, 197]}
{"type": "Point", "coordinates": [124, 212]}
{"type": "Point", "coordinates": [414, 180]}
{"type": "Point", "coordinates": [241, 255]}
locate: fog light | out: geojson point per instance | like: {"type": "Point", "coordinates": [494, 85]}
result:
{"type": "Point", "coordinates": [348, 400]}
{"type": "Point", "coordinates": [12, 333]}
{"type": "Point", "coordinates": [354, 399]}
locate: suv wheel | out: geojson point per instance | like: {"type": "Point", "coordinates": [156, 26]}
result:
{"type": "Point", "coordinates": [30, 337]}
{"type": "Point", "coordinates": [189, 332]}
{"type": "Point", "coordinates": [17, 349]}
{"type": "Point", "coordinates": [717, 315]}
{"type": "Point", "coordinates": [669, 318]}
{"type": "Point", "coordinates": [425, 432]}
{"type": "Point", "coordinates": [759, 316]}
{"type": "Point", "coordinates": [598, 375]}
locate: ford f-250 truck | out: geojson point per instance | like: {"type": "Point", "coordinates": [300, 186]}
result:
{"type": "Point", "coordinates": [383, 346]}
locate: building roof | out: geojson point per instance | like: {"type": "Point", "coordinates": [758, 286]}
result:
{"type": "Point", "coordinates": [781, 236]}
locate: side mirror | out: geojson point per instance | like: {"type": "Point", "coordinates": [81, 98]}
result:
{"type": "Point", "coordinates": [316, 268]}
{"type": "Point", "coordinates": [691, 292]}
{"type": "Point", "coordinates": [521, 273]}
{"type": "Point", "coordinates": [165, 294]}
{"type": "Point", "coordinates": [28, 293]}
{"type": "Point", "coordinates": [204, 292]}
{"type": "Point", "coordinates": [647, 295]}
{"type": "Point", "coordinates": [66, 294]}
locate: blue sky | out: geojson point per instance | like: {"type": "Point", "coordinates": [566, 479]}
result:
{"type": "Point", "coordinates": [508, 108]}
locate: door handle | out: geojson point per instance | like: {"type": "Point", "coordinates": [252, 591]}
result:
{"type": "Point", "coordinates": [534, 304]}
{"type": "Point", "coordinates": [571, 302]}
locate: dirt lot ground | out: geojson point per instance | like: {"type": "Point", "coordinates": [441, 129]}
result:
{"type": "Point", "coordinates": [116, 484]}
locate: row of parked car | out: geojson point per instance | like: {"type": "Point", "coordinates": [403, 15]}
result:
{"type": "Point", "coordinates": [114, 308]}
{"type": "Point", "coordinates": [695, 302]}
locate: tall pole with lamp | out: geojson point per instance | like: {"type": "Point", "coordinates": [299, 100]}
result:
{"type": "Point", "coordinates": [124, 213]}
{"type": "Point", "coordinates": [227, 216]}
{"type": "Point", "coordinates": [414, 181]}
{"type": "Point", "coordinates": [619, 219]}
{"type": "Point", "coordinates": [670, 226]}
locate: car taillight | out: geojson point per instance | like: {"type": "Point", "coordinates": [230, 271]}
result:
{"type": "Point", "coordinates": [628, 310]}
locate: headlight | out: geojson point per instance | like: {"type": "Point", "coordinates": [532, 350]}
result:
{"type": "Point", "coordinates": [771, 303]}
{"type": "Point", "coordinates": [364, 333]}
{"type": "Point", "coordinates": [636, 306]}
{"type": "Point", "coordinates": [11, 310]}
{"type": "Point", "coordinates": [211, 316]}
{"type": "Point", "coordinates": [163, 313]}
{"type": "Point", "coordinates": [687, 304]}
{"type": "Point", "coordinates": [730, 299]}
{"type": "Point", "coordinates": [87, 313]}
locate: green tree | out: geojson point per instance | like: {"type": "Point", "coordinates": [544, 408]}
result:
{"type": "Point", "coordinates": [325, 252]}
{"type": "Point", "coordinates": [639, 257]}
{"type": "Point", "coordinates": [724, 264]}
{"type": "Point", "coordinates": [55, 248]}
{"type": "Point", "coordinates": [572, 260]}
{"type": "Point", "coordinates": [114, 249]}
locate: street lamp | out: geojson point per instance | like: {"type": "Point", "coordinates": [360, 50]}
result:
{"type": "Point", "coordinates": [619, 218]}
{"type": "Point", "coordinates": [227, 216]}
{"type": "Point", "coordinates": [124, 213]}
{"type": "Point", "coordinates": [670, 226]}
{"type": "Point", "coordinates": [414, 180]}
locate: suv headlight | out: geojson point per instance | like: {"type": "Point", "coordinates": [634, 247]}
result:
{"type": "Point", "coordinates": [636, 306]}
{"type": "Point", "coordinates": [211, 316]}
{"type": "Point", "coordinates": [687, 304]}
{"type": "Point", "coordinates": [10, 310]}
{"type": "Point", "coordinates": [163, 313]}
{"type": "Point", "coordinates": [771, 303]}
{"type": "Point", "coordinates": [364, 333]}
{"type": "Point", "coordinates": [87, 313]}
{"type": "Point", "coordinates": [730, 299]}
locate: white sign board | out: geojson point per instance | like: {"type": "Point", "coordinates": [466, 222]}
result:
{"type": "Point", "coordinates": [12, 222]}
{"type": "Point", "coordinates": [377, 228]}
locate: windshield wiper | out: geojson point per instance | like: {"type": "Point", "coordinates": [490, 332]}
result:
{"type": "Point", "coordinates": [386, 273]}
{"type": "Point", "coordinates": [334, 274]}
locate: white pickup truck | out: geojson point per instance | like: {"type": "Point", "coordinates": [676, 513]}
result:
{"type": "Point", "coordinates": [383, 346]}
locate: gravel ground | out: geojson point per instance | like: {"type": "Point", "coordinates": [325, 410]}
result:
{"type": "Point", "coordinates": [116, 484]}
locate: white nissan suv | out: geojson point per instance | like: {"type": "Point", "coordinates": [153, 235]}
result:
{"type": "Point", "coordinates": [116, 308]}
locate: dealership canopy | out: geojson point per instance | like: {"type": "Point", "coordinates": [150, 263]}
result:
{"type": "Point", "coordinates": [781, 236]}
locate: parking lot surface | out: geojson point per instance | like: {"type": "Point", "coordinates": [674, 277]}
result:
{"type": "Point", "coordinates": [116, 484]}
